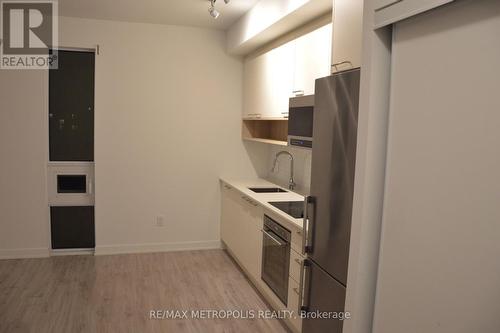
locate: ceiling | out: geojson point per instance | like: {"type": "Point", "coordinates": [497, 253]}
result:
{"type": "Point", "coordinates": [176, 12]}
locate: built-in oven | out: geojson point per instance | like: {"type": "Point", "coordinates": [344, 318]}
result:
{"type": "Point", "coordinates": [300, 121]}
{"type": "Point", "coordinates": [276, 257]}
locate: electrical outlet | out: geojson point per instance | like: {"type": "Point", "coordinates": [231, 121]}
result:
{"type": "Point", "coordinates": [160, 221]}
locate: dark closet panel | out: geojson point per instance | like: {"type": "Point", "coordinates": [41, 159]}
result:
{"type": "Point", "coordinates": [72, 227]}
{"type": "Point", "coordinates": [71, 107]}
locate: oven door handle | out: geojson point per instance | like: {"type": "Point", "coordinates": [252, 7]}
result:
{"type": "Point", "coordinates": [273, 238]}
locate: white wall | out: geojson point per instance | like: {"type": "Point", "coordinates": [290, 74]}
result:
{"type": "Point", "coordinates": [168, 121]}
{"type": "Point", "coordinates": [168, 106]}
{"type": "Point", "coordinates": [439, 263]}
{"type": "Point", "coordinates": [23, 151]}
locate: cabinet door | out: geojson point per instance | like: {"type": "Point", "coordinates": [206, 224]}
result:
{"type": "Point", "coordinates": [241, 222]}
{"type": "Point", "coordinates": [251, 239]}
{"type": "Point", "coordinates": [312, 59]}
{"type": "Point", "coordinates": [257, 86]}
{"type": "Point", "coordinates": [230, 218]}
{"type": "Point", "coordinates": [282, 68]}
{"type": "Point", "coordinates": [347, 34]}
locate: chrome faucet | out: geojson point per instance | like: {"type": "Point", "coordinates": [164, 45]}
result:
{"type": "Point", "coordinates": [291, 182]}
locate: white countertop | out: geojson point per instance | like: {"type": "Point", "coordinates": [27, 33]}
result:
{"type": "Point", "coordinates": [264, 198]}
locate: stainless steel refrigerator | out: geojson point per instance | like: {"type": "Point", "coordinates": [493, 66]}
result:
{"type": "Point", "coordinates": [328, 209]}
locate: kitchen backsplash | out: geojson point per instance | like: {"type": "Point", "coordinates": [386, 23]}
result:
{"type": "Point", "coordinates": [302, 168]}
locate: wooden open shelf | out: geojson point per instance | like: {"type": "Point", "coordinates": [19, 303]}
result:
{"type": "Point", "coordinates": [266, 130]}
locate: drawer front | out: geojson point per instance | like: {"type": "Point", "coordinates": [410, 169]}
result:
{"type": "Point", "coordinates": [295, 265]}
{"type": "Point", "coordinates": [293, 304]}
{"type": "Point", "coordinates": [296, 239]}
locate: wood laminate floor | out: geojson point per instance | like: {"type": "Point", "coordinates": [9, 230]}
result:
{"type": "Point", "coordinates": [116, 293]}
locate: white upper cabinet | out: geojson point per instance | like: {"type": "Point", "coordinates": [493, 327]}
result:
{"type": "Point", "coordinates": [258, 87]}
{"type": "Point", "coordinates": [282, 69]}
{"type": "Point", "coordinates": [312, 59]}
{"type": "Point", "coordinates": [271, 78]}
{"type": "Point", "coordinates": [391, 11]}
{"type": "Point", "coordinates": [268, 83]}
{"type": "Point", "coordinates": [347, 34]}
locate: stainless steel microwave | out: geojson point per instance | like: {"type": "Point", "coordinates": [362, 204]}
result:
{"type": "Point", "coordinates": [300, 121]}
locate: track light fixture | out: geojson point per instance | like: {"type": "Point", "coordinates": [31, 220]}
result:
{"type": "Point", "coordinates": [211, 9]}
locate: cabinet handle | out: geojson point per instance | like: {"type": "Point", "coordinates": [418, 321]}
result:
{"type": "Point", "coordinates": [250, 201]}
{"type": "Point", "coordinates": [298, 92]}
{"type": "Point", "coordinates": [296, 290]}
{"type": "Point", "coordinates": [347, 62]}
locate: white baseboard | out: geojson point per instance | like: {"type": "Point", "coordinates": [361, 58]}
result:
{"type": "Point", "coordinates": [111, 249]}
{"type": "Point", "coordinates": [156, 247]}
{"type": "Point", "coordinates": [24, 253]}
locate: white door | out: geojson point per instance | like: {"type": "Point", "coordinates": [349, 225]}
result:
{"type": "Point", "coordinates": [439, 270]}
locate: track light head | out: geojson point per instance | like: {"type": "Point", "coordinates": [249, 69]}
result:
{"type": "Point", "coordinates": [213, 12]}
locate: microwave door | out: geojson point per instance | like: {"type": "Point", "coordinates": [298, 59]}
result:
{"type": "Point", "coordinates": [300, 121]}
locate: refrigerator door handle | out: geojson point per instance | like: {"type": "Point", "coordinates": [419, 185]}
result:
{"type": "Point", "coordinates": [304, 287]}
{"type": "Point", "coordinates": [306, 226]}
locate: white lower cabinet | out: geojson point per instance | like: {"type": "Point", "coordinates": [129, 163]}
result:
{"type": "Point", "coordinates": [230, 217]}
{"type": "Point", "coordinates": [293, 303]}
{"type": "Point", "coordinates": [295, 265]}
{"type": "Point", "coordinates": [241, 222]}
{"type": "Point", "coordinates": [241, 225]}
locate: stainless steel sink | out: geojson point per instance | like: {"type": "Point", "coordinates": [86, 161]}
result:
{"type": "Point", "coordinates": [267, 190]}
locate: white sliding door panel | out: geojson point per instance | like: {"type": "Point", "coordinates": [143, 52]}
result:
{"type": "Point", "coordinates": [391, 11]}
{"type": "Point", "coordinates": [439, 270]}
